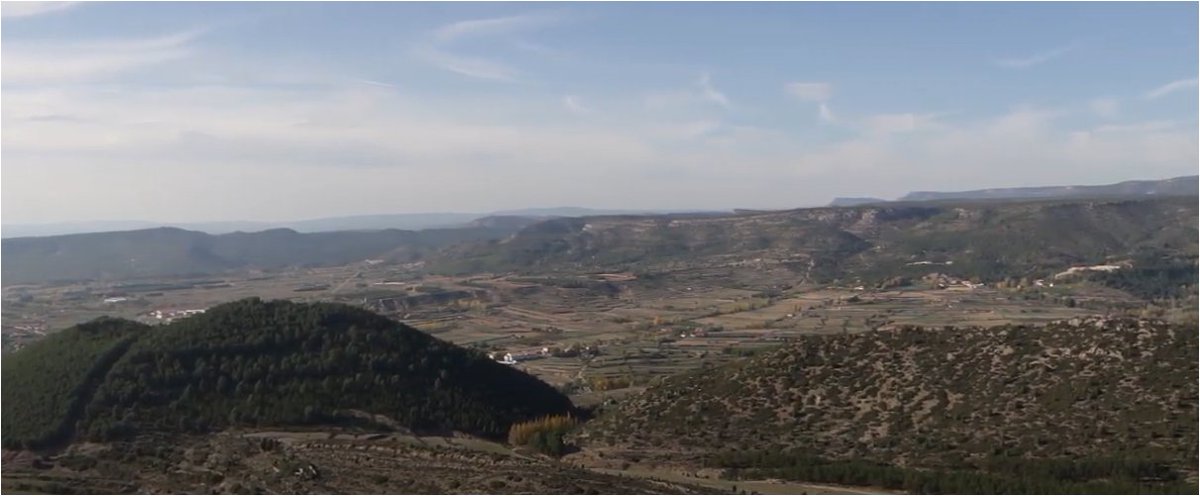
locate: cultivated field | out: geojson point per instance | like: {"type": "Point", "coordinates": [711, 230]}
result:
{"type": "Point", "coordinates": [603, 333]}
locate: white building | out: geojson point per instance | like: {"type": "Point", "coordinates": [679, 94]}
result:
{"type": "Point", "coordinates": [511, 358]}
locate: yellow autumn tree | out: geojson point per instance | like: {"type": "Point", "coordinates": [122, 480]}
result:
{"type": "Point", "coordinates": [544, 434]}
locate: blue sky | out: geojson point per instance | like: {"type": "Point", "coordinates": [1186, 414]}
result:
{"type": "Point", "coordinates": [271, 111]}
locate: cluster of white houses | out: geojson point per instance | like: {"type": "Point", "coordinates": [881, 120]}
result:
{"type": "Point", "coordinates": [513, 357]}
{"type": "Point", "coordinates": [169, 315]}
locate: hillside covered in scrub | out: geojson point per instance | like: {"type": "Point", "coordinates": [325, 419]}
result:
{"type": "Point", "coordinates": [256, 363]}
{"type": "Point", "coordinates": [1101, 399]}
{"type": "Point", "coordinates": [984, 240]}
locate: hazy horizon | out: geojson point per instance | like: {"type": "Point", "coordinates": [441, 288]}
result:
{"type": "Point", "coordinates": [230, 112]}
{"type": "Point", "coordinates": [169, 223]}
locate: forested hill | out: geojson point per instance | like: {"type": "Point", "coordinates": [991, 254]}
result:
{"type": "Point", "coordinates": [49, 382]}
{"type": "Point", "coordinates": [1048, 410]}
{"type": "Point", "coordinates": [165, 252]}
{"type": "Point", "coordinates": [259, 363]}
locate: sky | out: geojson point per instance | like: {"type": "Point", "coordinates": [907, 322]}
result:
{"type": "Point", "coordinates": [188, 112]}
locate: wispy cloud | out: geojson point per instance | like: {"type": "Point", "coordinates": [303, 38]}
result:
{"type": "Point", "coordinates": [437, 50]}
{"type": "Point", "coordinates": [372, 82]}
{"type": "Point", "coordinates": [815, 92]}
{"type": "Point", "coordinates": [575, 106]}
{"type": "Point", "coordinates": [1169, 88]}
{"type": "Point", "coordinates": [47, 63]}
{"type": "Point", "coordinates": [11, 10]}
{"type": "Point", "coordinates": [476, 67]}
{"type": "Point", "coordinates": [1105, 107]}
{"type": "Point", "coordinates": [1147, 126]}
{"type": "Point", "coordinates": [489, 27]}
{"type": "Point", "coordinates": [810, 92]}
{"type": "Point", "coordinates": [711, 93]}
{"type": "Point", "coordinates": [200, 135]}
{"type": "Point", "coordinates": [1038, 58]}
{"type": "Point", "coordinates": [349, 145]}
{"type": "Point", "coordinates": [539, 49]}
{"type": "Point", "coordinates": [825, 113]}
{"type": "Point", "coordinates": [1023, 143]}
{"type": "Point", "coordinates": [701, 93]}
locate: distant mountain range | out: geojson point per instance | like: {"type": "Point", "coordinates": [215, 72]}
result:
{"type": "Point", "coordinates": [581, 212]}
{"type": "Point", "coordinates": [854, 201]}
{"type": "Point", "coordinates": [168, 251]}
{"type": "Point", "coordinates": [417, 221]}
{"type": "Point", "coordinates": [1177, 186]}
{"type": "Point", "coordinates": [986, 239]}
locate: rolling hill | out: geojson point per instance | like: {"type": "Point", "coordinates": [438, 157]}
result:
{"type": "Point", "coordinates": [854, 201]}
{"type": "Point", "coordinates": [165, 252]}
{"type": "Point", "coordinates": [986, 240]}
{"type": "Point", "coordinates": [868, 243]}
{"type": "Point", "coordinates": [1070, 406]}
{"type": "Point", "coordinates": [256, 363]}
{"type": "Point", "coordinates": [414, 221]}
